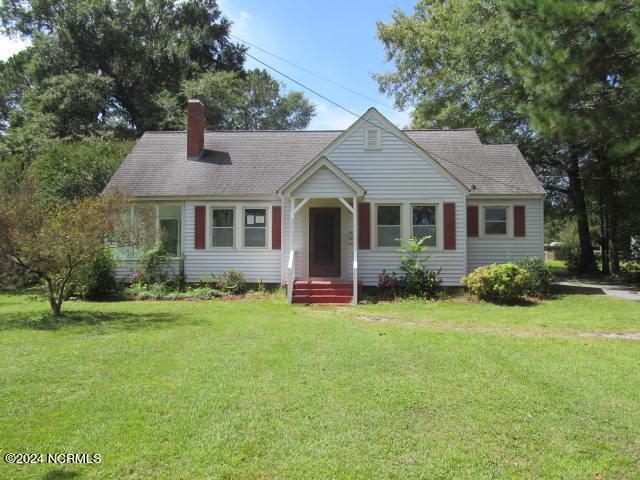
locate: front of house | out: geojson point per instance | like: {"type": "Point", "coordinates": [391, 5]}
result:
{"type": "Point", "coordinates": [324, 209]}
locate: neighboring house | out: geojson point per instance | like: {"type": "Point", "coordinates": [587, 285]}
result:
{"type": "Point", "coordinates": [288, 206]}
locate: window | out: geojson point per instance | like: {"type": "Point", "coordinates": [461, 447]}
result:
{"type": "Point", "coordinates": [255, 227]}
{"type": "Point", "coordinates": [169, 222]}
{"type": "Point", "coordinates": [388, 225]}
{"type": "Point", "coordinates": [372, 138]}
{"type": "Point", "coordinates": [222, 227]}
{"type": "Point", "coordinates": [495, 221]}
{"type": "Point", "coordinates": [424, 223]}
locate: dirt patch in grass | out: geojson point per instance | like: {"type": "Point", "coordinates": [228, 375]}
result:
{"type": "Point", "coordinates": [615, 336]}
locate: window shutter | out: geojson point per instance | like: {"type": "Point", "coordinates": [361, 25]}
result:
{"type": "Point", "coordinates": [364, 226]}
{"type": "Point", "coordinates": [472, 221]}
{"type": "Point", "coordinates": [276, 228]}
{"type": "Point", "coordinates": [449, 214]}
{"type": "Point", "coordinates": [201, 218]}
{"type": "Point", "coordinates": [518, 221]}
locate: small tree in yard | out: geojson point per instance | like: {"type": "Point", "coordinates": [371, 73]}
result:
{"type": "Point", "coordinates": [53, 241]}
{"type": "Point", "coordinates": [417, 279]}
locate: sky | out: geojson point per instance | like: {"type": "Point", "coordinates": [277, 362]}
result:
{"type": "Point", "coordinates": [335, 39]}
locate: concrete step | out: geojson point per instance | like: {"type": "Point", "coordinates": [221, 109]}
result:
{"type": "Point", "coordinates": [322, 299]}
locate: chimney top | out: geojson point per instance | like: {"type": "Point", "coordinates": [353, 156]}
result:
{"type": "Point", "coordinates": [195, 129]}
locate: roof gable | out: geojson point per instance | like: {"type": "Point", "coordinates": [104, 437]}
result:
{"type": "Point", "coordinates": [314, 168]}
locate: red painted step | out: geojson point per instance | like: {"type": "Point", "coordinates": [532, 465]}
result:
{"type": "Point", "coordinates": [323, 291]}
{"type": "Point", "coordinates": [324, 299]}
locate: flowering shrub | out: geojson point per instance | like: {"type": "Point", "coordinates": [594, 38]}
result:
{"type": "Point", "coordinates": [498, 283]}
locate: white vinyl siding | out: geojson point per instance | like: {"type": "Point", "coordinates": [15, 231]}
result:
{"type": "Point", "coordinates": [323, 183]}
{"type": "Point", "coordinates": [398, 173]}
{"type": "Point", "coordinates": [258, 264]}
{"type": "Point", "coordinates": [486, 249]}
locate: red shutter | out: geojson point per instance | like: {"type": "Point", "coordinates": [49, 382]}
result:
{"type": "Point", "coordinates": [472, 221]}
{"type": "Point", "coordinates": [518, 221]}
{"type": "Point", "coordinates": [276, 228]}
{"type": "Point", "coordinates": [364, 226]}
{"type": "Point", "coordinates": [449, 214]}
{"type": "Point", "coordinates": [201, 218]}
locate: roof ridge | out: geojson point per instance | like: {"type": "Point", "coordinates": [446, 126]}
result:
{"type": "Point", "coordinates": [439, 129]}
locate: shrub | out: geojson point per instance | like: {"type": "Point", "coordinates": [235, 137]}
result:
{"type": "Point", "coordinates": [569, 249]}
{"type": "Point", "coordinates": [388, 281]}
{"type": "Point", "coordinates": [539, 278]}
{"type": "Point", "coordinates": [497, 283]}
{"type": "Point", "coordinates": [155, 265]}
{"type": "Point", "coordinates": [417, 280]}
{"type": "Point", "coordinates": [96, 279]}
{"type": "Point", "coordinates": [232, 282]}
{"type": "Point", "coordinates": [160, 291]}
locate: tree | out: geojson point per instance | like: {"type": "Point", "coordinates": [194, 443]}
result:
{"type": "Point", "coordinates": [580, 64]}
{"type": "Point", "coordinates": [137, 49]}
{"type": "Point", "coordinates": [52, 242]}
{"type": "Point", "coordinates": [455, 63]}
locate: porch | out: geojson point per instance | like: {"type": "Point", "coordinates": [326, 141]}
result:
{"type": "Point", "coordinates": [321, 235]}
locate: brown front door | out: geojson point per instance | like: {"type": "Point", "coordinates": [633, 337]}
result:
{"type": "Point", "coordinates": [324, 242]}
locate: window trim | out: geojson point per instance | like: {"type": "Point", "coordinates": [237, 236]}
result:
{"type": "Point", "coordinates": [209, 226]}
{"type": "Point", "coordinates": [406, 220]}
{"type": "Point", "coordinates": [508, 222]}
{"type": "Point", "coordinates": [267, 223]}
{"type": "Point", "coordinates": [438, 207]}
{"type": "Point", "coordinates": [238, 226]}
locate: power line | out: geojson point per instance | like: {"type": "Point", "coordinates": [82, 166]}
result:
{"type": "Point", "coordinates": [382, 128]}
{"type": "Point", "coordinates": [321, 77]}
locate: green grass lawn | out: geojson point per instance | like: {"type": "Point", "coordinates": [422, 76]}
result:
{"type": "Point", "coordinates": [261, 389]}
{"type": "Point", "coordinates": [558, 267]}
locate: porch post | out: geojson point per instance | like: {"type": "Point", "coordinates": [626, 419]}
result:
{"type": "Point", "coordinates": [355, 250]}
{"type": "Point", "coordinates": [291, 259]}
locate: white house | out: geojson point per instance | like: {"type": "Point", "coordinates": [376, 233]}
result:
{"type": "Point", "coordinates": [291, 207]}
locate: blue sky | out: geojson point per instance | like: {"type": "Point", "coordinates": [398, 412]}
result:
{"type": "Point", "coordinates": [336, 39]}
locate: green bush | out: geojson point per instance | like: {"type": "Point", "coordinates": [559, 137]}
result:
{"type": "Point", "coordinates": [155, 265]}
{"type": "Point", "coordinates": [569, 249]}
{"type": "Point", "coordinates": [95, 279]}
{"type": "Point", "coordinates": [539, 278]}
{"type": "Point", "coordinates": [418, 280]}
{"type": "Point", "coordinates": [497, 283]}
{"type": "Point", "coordinates": [161, 291]}
{"type": "Point", "coordinates": [232, 282]}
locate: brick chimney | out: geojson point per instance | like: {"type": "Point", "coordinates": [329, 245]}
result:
{"type": "Point", "coordinates": [195, 129]}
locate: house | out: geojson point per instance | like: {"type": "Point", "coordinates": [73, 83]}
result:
{"type": "Point", "coordinates": [290, 207]}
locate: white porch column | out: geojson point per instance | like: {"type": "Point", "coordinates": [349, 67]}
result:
{"type": "Point", "coordinates": [291, 259]}
{"type": "Point", "coordinates": [355, 250]}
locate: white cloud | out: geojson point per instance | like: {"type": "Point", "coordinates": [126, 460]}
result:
{"type": "Point", "coordinates": [330, 117]}
{"type": "Point", "coordinates": [10, 46]}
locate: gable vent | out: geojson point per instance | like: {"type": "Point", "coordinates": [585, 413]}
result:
{"type": "Point", "coordinates": [372, 138]}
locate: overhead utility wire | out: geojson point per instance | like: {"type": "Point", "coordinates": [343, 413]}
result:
{"type": "Point", "coordinates": [321, 77]}
{"type": "Point", "coordinates": [382, 128]}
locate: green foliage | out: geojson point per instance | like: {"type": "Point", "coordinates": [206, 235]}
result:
{"type": "Point", "coordinates": [72, 170]}
{"type": "Point", "coordinates": [162, 291]}
{"type": "Point", "coordinates": [232, 282]}
{"type": "Point", "coordinates": [539, 280]}
{"type": "Point", "coordinates": [416, 281]}
{"type": "Point", "coordinates": [95, 279]}
{"type": "Point", "coordinates": [497, 283]}
{"type": "Point", "coordinates": [569, 249]}
{"type": "Point", "coordinates": [155, 265]}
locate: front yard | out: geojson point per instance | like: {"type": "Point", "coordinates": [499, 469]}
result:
{"type": "Point", "coordinates": [262, 389]}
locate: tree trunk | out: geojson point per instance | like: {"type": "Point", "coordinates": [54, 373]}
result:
{"type": "Point", "coordinates": [56, 304]}
{"type": "Point", "coordinates": [576, 194]}
{"type": "Point", "coordinates": [604, 241]}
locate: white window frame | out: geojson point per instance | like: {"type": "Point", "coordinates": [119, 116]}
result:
{"type": "Point", "coordinates": [209, 226]}
{"type": "Point", "coordinates": [509, 222]}
{"type": "Point", "coordinates": [438, 207]}
{"type": "Point", "coordinates": [406, 221]}
{"type": "Point", "coordinates": [375, 224]}
{"type": "Point", "coordinates": [238, 225]}
{"type": "Point", "coordinates": [267, 224]}
{"type": "Point", "coordinates": [375, 131]}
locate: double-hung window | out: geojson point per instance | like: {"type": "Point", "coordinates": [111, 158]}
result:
{"type": "Point", "coordinates": [388, 228]}
{"type": "Point", "coordinates": [495, 220]}
{"type": "Point", "coordinates": [255, 227]}
{"type": "Point", "coordinates": [222, 221]}
{"type": "Point", "coordinates": [424, 223]}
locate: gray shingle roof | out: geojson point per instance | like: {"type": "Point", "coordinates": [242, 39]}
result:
{"type": "Point", "coordinates": [251, 163]}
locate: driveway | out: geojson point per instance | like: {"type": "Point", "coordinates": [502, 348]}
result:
{"type": "Point", "coordinates": [596, 287]}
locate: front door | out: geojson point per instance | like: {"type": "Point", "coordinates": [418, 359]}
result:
{"type": "Point", "coordinates": [324, 242]}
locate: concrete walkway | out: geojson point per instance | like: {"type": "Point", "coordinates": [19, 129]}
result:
{"type": "Point", "coordinates": [594, 287]}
